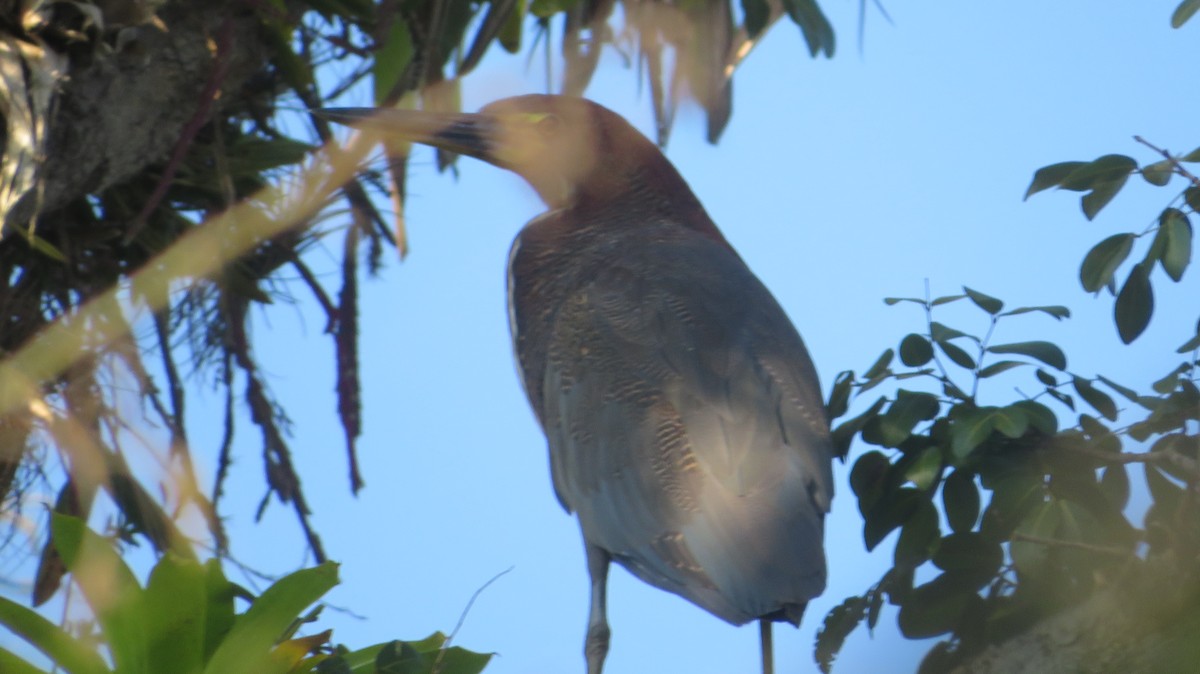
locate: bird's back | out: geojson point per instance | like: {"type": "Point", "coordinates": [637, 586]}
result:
{"type": "Point", "coordinates": [682, 413]}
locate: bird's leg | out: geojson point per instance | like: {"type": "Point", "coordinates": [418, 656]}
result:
{"type": "Point", "coordinates": [595, 648]}
{"type": "Point", "coordinates": [768, 648]}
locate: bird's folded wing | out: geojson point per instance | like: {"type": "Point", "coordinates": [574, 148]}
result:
{"type": "Point", "coordinates": [686, 427]}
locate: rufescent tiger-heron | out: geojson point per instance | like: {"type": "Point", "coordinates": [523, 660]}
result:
{"type": "Point", "coordinates": [683, 413]}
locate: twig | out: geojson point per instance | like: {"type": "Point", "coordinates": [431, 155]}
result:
{"type": "Point", "coordinates": [1173, 161]}
{"type": "Point", "coordinates": [310, 279]}
{"type": "Point", "coordinates": [463, 617]}
{"type": "Point", "coordinates": [929, 324]}
{"type": "Point", "coordinates": [1157, 458]}
{"type": "Point", "coordinates": [1077, 545]}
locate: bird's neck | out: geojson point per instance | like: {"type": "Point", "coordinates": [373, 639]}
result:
{"type": "Point", "coordinates": [633, 197]}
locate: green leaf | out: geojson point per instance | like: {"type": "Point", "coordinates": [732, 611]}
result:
{"type": "Point", "coordinates": [1061, 397]}
{"type": "Point", "coordinates": [510, 33]}
{"type": "Point", "coordinates": [254, 155]}
{"type": "Point", "coordinates": [1191, 197]}
{"type": "Point", "coordinates": [1011, 421]}
{"type": "Point", "coordinates": [818, 34]}
{"type": "Point", "coordinates": [1170, 381]}
{"type": "Point", "coordinates": [1046, 352]}
{"type": "Point", "coordinates": [1191, 157]}
{"type": "Point", "coordinates": [11, 664]}
{"type": "Point", "coordinates": [1046, 378]}
{"type": "Point", "coordinates": [247, 647]}
{"type": "Point", "coordinates": [461, 661]}
{"type": "Point", "coordinates": [1182, 13]}
{"type": "Point", "coordinates": [1128, 393]}
{"type": "Point", "coordinates": [1040, 416]}
{"type": "Point", "coordinates": [1096, 398]}
{"type": "Point", "coordinates": [890, 511]}
{"type": "Point", "coordinates": [915, 350]}
{"type": "Point", "coordinates": [867, 476]}
{"type": "Point", "coordinates": [1193, 343]}
{"type": "Point", "coordinates": [219, 616]}
{"type": "Point", "coordinates": [1058, 312]}
{"type": "Point", "coordinates": [839, 395]}
{"type": "Point", "coordinates": [875, 597]}
{"type": "Point", "coordinates": [998, 367]}
{"type": "Point", "coordinates": [1178, 251]}
{"type": "Point", "coordinates": [968, 551]}
{"type": "Point", "coordinates": [69, 654]}
{"type": "Point", "coordinates": [1135, 304]}
{"type": "Point", "coordinates": [905, 412]}
{"type": "Point", "coordinates": [934, 608]}
{"type": "Point", "coordinates": [1157, 247]}
{"type": "Point", "coordinates": [891, 301]}
{"type": "Point", "coordinates": [175, 615]}
{"type": "Point", "coordinates": [1165, 492]}
{"type": "Point", "coordinates": [1158, 173]}
{"type": "Point", "coordinates": [925, 470]}
{"type": "Point", "coordinates": [949, 388]}
{"type": "Point", "coordinates": [110, 587]}
{"type": "Point", "coordinates": [1103, 260]}
{"type": "Point", "coordinates": [970, 429]}
{"type": "Point", "coordinates": [1114, 482]}
{"type": "Point", "coordinates": [417, 657]}
{"type": "Point", "coordinates": [957, 355]}
{"type": "Point", "coordinates": [294, 70]}
{"type": "Point", "coordinates": [400, 657]}
{"type": "Point", "coordinates": [945, 333]}
{"type": "Point", "coordinates": [843, 434]}
{"type": "Point", "coordinates": [1106, 169]}
{"type": "Point", "coordinates": [946, 299]}
{"type": "Point", "coordinates": [880, 365]}
{"type": "Point", "coordinates": [756, 13]}
{"type": "Point", "coordinates": [918, 536]}
{"type": "Point", "coordinates": [838, 624]}
{"type": "Point", "coordinates": [1093, 202]}
{"type": "Point", "coordinates": [986, 302]}
{"type": "Point", "coordinates": [1014, 496]}
{"type": "Point", "coordinates": [1050, 176]}
{"type": "Point", "coordinates": [391, 61]}
{"type": "Point", "coordinates": [960, 499]}
{"type": "Point", "coordinates": [1190, 345]}
{"type": "Point", "coordinates": [544, 9]}
{"type": "Point", "coordinates": [1040, 523]}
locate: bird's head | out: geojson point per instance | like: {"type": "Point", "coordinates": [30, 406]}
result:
{"type": "Point", "coordinates": [568, 149]}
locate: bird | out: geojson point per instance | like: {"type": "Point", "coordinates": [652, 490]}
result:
{"type": "Point", "coordinates": [681, 409]}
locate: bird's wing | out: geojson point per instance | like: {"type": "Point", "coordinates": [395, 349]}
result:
{"type": "Point", "coordinates": [686, 429]}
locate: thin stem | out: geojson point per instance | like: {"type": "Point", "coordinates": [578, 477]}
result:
{"type": "Point", "coordinates": [929, 326]}
{"type": "Point", "coordinates": [1078, 545]}
{"type": "Point", "coordinates": [1174, 162]}
{"type": "Point", "coordinates": [982, 352]}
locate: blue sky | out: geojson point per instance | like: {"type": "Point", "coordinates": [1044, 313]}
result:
{"type": "Point", "coordinates": [840, 182]}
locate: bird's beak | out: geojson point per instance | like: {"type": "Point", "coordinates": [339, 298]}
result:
{"type": "Point", "coordinates": [474, 135]}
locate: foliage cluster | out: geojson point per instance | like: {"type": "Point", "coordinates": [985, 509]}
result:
{"type": "Point", "coordinates": [184, 620]}
{"type": "Point", "coordinates": [1035, 515]}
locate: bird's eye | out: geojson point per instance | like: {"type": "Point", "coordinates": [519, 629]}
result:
{"type": "Point", "coordinates": [548, 125]}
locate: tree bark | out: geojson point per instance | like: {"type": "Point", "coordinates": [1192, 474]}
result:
{"type": "Point", "coordinates": [130, 93]}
